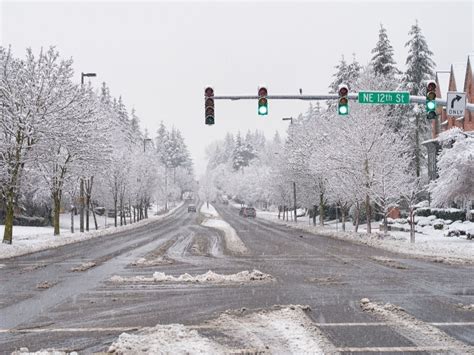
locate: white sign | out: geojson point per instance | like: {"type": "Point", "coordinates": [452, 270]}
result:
{"type": "Point", "coordinates": [456, 104]}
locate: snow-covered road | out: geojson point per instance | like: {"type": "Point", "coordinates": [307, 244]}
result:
{"type": "Point", "coordinates": [175, 286]}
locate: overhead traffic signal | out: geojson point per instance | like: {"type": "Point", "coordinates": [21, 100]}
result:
{"type": "Point", "coordinates": [262, 101]}
{"type": "Point", "coordinates": [431, 100]}
{"type": "Point", "coordinates": [209, 105]}
{"type": "Point", "coordinates": [343, 101]}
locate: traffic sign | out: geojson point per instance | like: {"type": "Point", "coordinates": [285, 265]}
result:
{"type": "Point", "coordinates": [456, 104]}
{"type": "Point", "coordinates": [384, 97]}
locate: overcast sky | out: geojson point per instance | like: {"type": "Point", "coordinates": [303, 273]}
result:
{"type": "Point", "coordinates": [160, 55]}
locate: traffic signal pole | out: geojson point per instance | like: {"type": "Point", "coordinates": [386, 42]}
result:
{"type": "Point", "coordinates": [350, 96]}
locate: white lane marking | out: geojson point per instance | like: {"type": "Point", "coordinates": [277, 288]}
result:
{"type": "Point", "coordinates": [124, 329]}
{"type": "Point", "coordinates": [448, 324]}
{"type": "Point", "coordinates": [403, 349]}
{"type": "Point", "coordinates": [70, 330]}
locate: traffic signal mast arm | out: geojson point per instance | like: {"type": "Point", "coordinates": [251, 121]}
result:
{"type": "Point", "coordinates": [350, 96]}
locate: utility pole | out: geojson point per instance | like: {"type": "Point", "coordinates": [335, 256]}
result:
{"type": "Point", "coordinates": [294, 197]}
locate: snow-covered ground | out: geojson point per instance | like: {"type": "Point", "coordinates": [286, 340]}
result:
{"type": "Point", "coordinates": [28, 240]}
{"type": "Point", "coordinates": [281, 330]}
{"type": "Point", "coordinates": [213, 219]}
{"type": "Point", "coordinates": [429, 243]}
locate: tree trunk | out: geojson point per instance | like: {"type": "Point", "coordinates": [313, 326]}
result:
{"type": "Point", "coordinates": [417, 146]}
{"type": "Point", "coordinates": [88, 201]}
{"type": "Point", "coordinates": [8, 232]}
{"type": "Point", "coordinates": [368, 212]}
{"type": "Point", "coordinates": [412, 226]}
{"type": "Point", "coordinates": [468, 210]}
{"type": "Point", "coordinates": [56, 208]}
{"type": "Point", "coordinates": [115, 212]}
{"type": "Point", "coordinates": [95, 220]}
{"type": "Point", "coordinates": [321, 209]}
{"type": "Point", "coordinates": [72, 219]}
{"type": "Point", "coordinates": [385, 224]}
{"type": "Point", "coordinates": [121, 212]}
{"type": "Point", "coordinates": [357, 213]}
{"type": "Point", "coordinates": [315, 208]}
{"type": "Point", "coordinates": [343, 216]}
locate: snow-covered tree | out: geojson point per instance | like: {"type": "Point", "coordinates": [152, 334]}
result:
{"type": "Point", "coordinates": [382, 61]}
{"type": "Point", "coordinates": [420, 67]}
{"type": "Point", "coordinates": [455, 183]}
{"type": "Point", "coordinates": [31, 91]}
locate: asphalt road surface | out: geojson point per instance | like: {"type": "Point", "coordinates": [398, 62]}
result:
{"type": "Point", "coordinates": [64, 298]}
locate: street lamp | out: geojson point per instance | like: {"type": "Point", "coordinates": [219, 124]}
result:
{"type": "Point", "coordinates": [88, 75]}
{"type": "Point", "coordinates": [81, 217]}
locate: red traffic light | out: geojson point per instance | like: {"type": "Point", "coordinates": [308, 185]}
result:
{"type": "Point", "coordinates": [208, 92]}
{"type": "Point", "coordinates": [343, 91]}
{"type": "Point", "coordinates": [262, 92]}
{"type": "Point", "coordinates": [431, 86]}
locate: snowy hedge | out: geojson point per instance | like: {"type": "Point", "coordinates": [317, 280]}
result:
{"type": "Point", "coordinates": [450, 213]}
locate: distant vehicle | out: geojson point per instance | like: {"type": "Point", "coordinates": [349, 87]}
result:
{"type": "Point", "coordinates": [249, 212]}
{"type": "Point", "coordinates": [192, 208]}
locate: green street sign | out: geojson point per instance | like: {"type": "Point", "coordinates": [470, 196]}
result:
{"type": "Point", "coordinates": [384, 97]}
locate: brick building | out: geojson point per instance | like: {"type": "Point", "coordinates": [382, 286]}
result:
{"type": "Point", "coordinates": [460, 78]}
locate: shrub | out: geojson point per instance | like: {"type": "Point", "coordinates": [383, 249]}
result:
{"type": "Point", "coordinates": [438, 226]}
{"type": "Point", "coordinates": [450, 213]}
{"type": "Point", "coordinates": [30, 221]}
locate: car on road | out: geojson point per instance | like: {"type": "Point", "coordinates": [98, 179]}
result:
{"type": "Point", "coordinates": [249, 212]}
{"type": "Point", "coordinates": [192, 208]}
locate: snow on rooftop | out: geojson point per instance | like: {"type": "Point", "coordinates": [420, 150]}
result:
{"type": "Point", "coordinates": [459, 71]}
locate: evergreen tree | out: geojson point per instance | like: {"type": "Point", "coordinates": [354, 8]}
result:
{"type": "Point", "coordinates": [243, 153]}
{"type": "Point", "coordinates": [419, 69]}
{"type": "Point", "coordinates": [420, 66]}
{"type": "Point", "coordinates": [339, 76]}
{"type": "Point", "coordinates": [382, 62]}
{"type": "Point", "coordinates": [161, 140]}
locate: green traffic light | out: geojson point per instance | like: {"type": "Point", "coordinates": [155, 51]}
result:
{"type": "Point", "coordinates": [430, 105]}
{"type": "Point", "coordinates": [343, 110]}
{"type": "Point", "coordinates": [263, 110]}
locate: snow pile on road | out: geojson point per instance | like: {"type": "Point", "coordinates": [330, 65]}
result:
{"type": "Point", "coordinates": [210, 276]}
{"type": "Point", "coordinates": [432, 243]}
{"type": "Point", "coordinates": [37, 240]}
{"type": "Point", "coordinates": [232, 240]}
{"type": "Point", "coordinates": [417, 331]}
{"type": "Point", "coordinates": [281, 330]}
{"type": "Point", "coordinates": [165, 339]}
{"type": "Point", "coordinates": [209, 211]}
